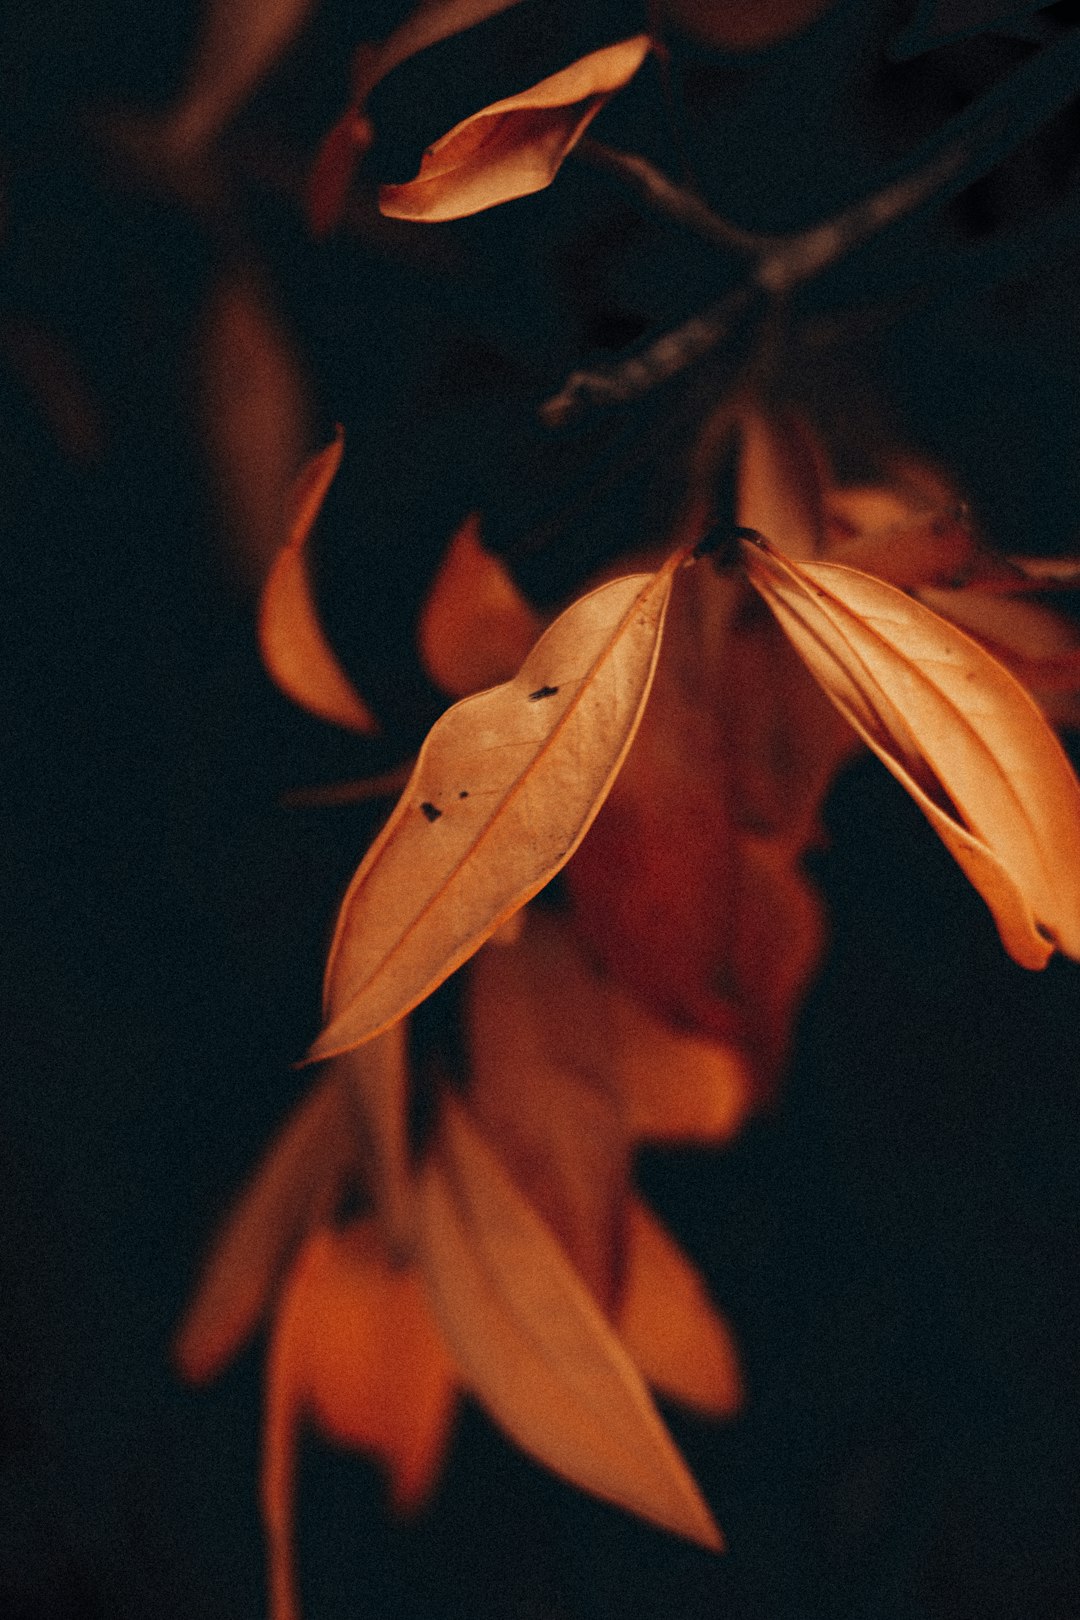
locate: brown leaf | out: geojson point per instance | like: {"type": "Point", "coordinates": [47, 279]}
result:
{"type": "Point", "coordinates": [476, 628]}
{"type": "Point", "coordinates": [295, 652]}
{"type": "Point", "coordinates": [295, 1189]}
{"type": "Point", "coordinates": [680, 1343]}
{"type": "Point", "coordinates": [354, 1347]}
{"type": "Point", "coordinates": [541, 1086]}
{"type": "Point", "coordinates": [505, 787]}
{"type": "Point", "coordinates": [956, 730]}
{"type": "Point", "coordinates": [515, 146]}
{"type": "Point", "coordinates": [535, 1348]}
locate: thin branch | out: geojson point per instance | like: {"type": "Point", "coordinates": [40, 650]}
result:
{"type": "Point", "coordinates": [673, 201]}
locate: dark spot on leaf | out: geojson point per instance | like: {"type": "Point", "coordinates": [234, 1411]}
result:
{"type": "Point", "coordinates": [1045, 933]}
{"type": "Point", "coordinates": [542, 692]}
{"type": "Point", "coordinates": [430, 810]}
{"type": "Point", "coordinates": [464, 794]}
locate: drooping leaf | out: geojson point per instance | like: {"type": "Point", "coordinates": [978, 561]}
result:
{"type": "Point", "coordinates": [476, 628]}
{"type": "Point", "coordinates": [355, 1349]}
{"type": "Point", "coordinates": [505, 787]}
{"type": "Point", "coordinates": [349, 1134]}
{"type": "Point", "coordinates": [542, 1088]}
{"type": "Point", "coordinates": [296, 654]}
{"type": "Point", "coordinates": [515, 146]}
{"type": "Point", "coordinates": [295, 1189]}
{"type": "Point", "coordinates": [956, 730]}
{"type": "Point", "coordinates": [718, 934]}
{"type": "Point", "coordinates": [533, 1345]}
{"type": "Point", "coordinates": [679, 1342]}
{"type": "Point", "coordinates": [375, 1079]}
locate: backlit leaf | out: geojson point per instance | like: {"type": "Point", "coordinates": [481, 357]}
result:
{"type": "Point", "coordinates": [355, 1349]}
{"type": "Point", "coordinates": [956, 730]}
{"type": "Point", "coordinates": [476, 627]}
{"type": "Point", "coordinates": [295, 652]}
{"type": "Point", "coordinates": [505, 787]}
{"type": "Point", "coordinates": [681, 1345]}
{"type": "Point", "coordinates": [535, 1348]}
{"type": "Point", "coordinates": [515, 146]}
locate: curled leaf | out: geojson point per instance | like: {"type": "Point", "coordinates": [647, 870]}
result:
{"type": "Point", "coordinates": [476, 627]}
{"type": "Point", "coordinates": [356, 1349]}
{"type": "Point", "coordinates": [682, 1346]}
{"type": "Point", "coordinates": [535, 1348]}
{"type": "Point", "coordinates": [505, 787]}
{"type": "Point", "coordinates": [956, 730]}
{"type": "Point", "coordinates": [295, 652]}
{"type": "Point", "coordinates": [515, 146]}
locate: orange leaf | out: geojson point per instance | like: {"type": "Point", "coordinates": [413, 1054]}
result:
{"type": "Point", "coordinates": [780, 482]}
{"type": "Point", "coordinates": [515, 146]}
{"type": "Point", "coordinates": [296, 654]}
{"type": "Point", "coordinates": [356, 1347]}
{"type": "Point", "coordinates": [332, 172]}
{"type": "Point", "coordinates": [476, 627]}
{"type": "Point", "coordinates": [956, 730]}
{"type": "Point", "coordinates": [533, 1345]}
{"type": "Point", "coordinates": [505, 787]}
{"type": "Point", "coordinates": [295, 1189]}
{"type": "Point", "coordinates": [541, 1086]}
{"type": "Point", "coordinates": [668, 1323]}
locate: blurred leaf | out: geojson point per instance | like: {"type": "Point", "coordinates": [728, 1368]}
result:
{"type": "Point", "coordinates": [955, 729]}
{"type": "Point", "coordinates": [534, 1347]}
{"type": "Point", "coordinates": [356, 1349]}
{"type": "Point", "coordinates": [348, 1134]}
{"type": "Point", "coordinates": [505, 787]}
{"type": "Point", "coordinates": [681, 1345]}
{"type": "Point", "coordinates": [476, 627]}
{"type": "Point", "coordinates": [515, 146]}
{"type": "Point", "coordinates": [297, 656]}
{"type": "Point", "coordinates": [542, 1086]}
{"type": "Point", "coordinates": [296, 1189]}
{"type": "Point", "coordinates": [941, 22]}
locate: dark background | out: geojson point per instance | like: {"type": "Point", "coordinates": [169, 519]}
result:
{"type": "Point", "coordinates": [895, 1245]}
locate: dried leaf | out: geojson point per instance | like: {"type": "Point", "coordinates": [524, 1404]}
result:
{"type": "Point", "coordinates": [355, 1347]}
{"type": "Point", "coordinates": [542, 1087]}
{"type": "Point", "coordinates": [505, 787]}
{"type": "Point", "coordinates": [681, 1345]}
{"type": "Point", "coordinates": [295, 1189]}
{"type": "Point", "coordinates": [476, 628]}
{"type": "Point", "coordinates": [535, 1348]}
{"type": "Point", "coordinates": [956, 730]}
{"type": "Point", "coordinates": [1040, 647]}
{"type": "Point", "coordinates": [295, 652]}
{"type": "Point", "coordinates": [515, 146]}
